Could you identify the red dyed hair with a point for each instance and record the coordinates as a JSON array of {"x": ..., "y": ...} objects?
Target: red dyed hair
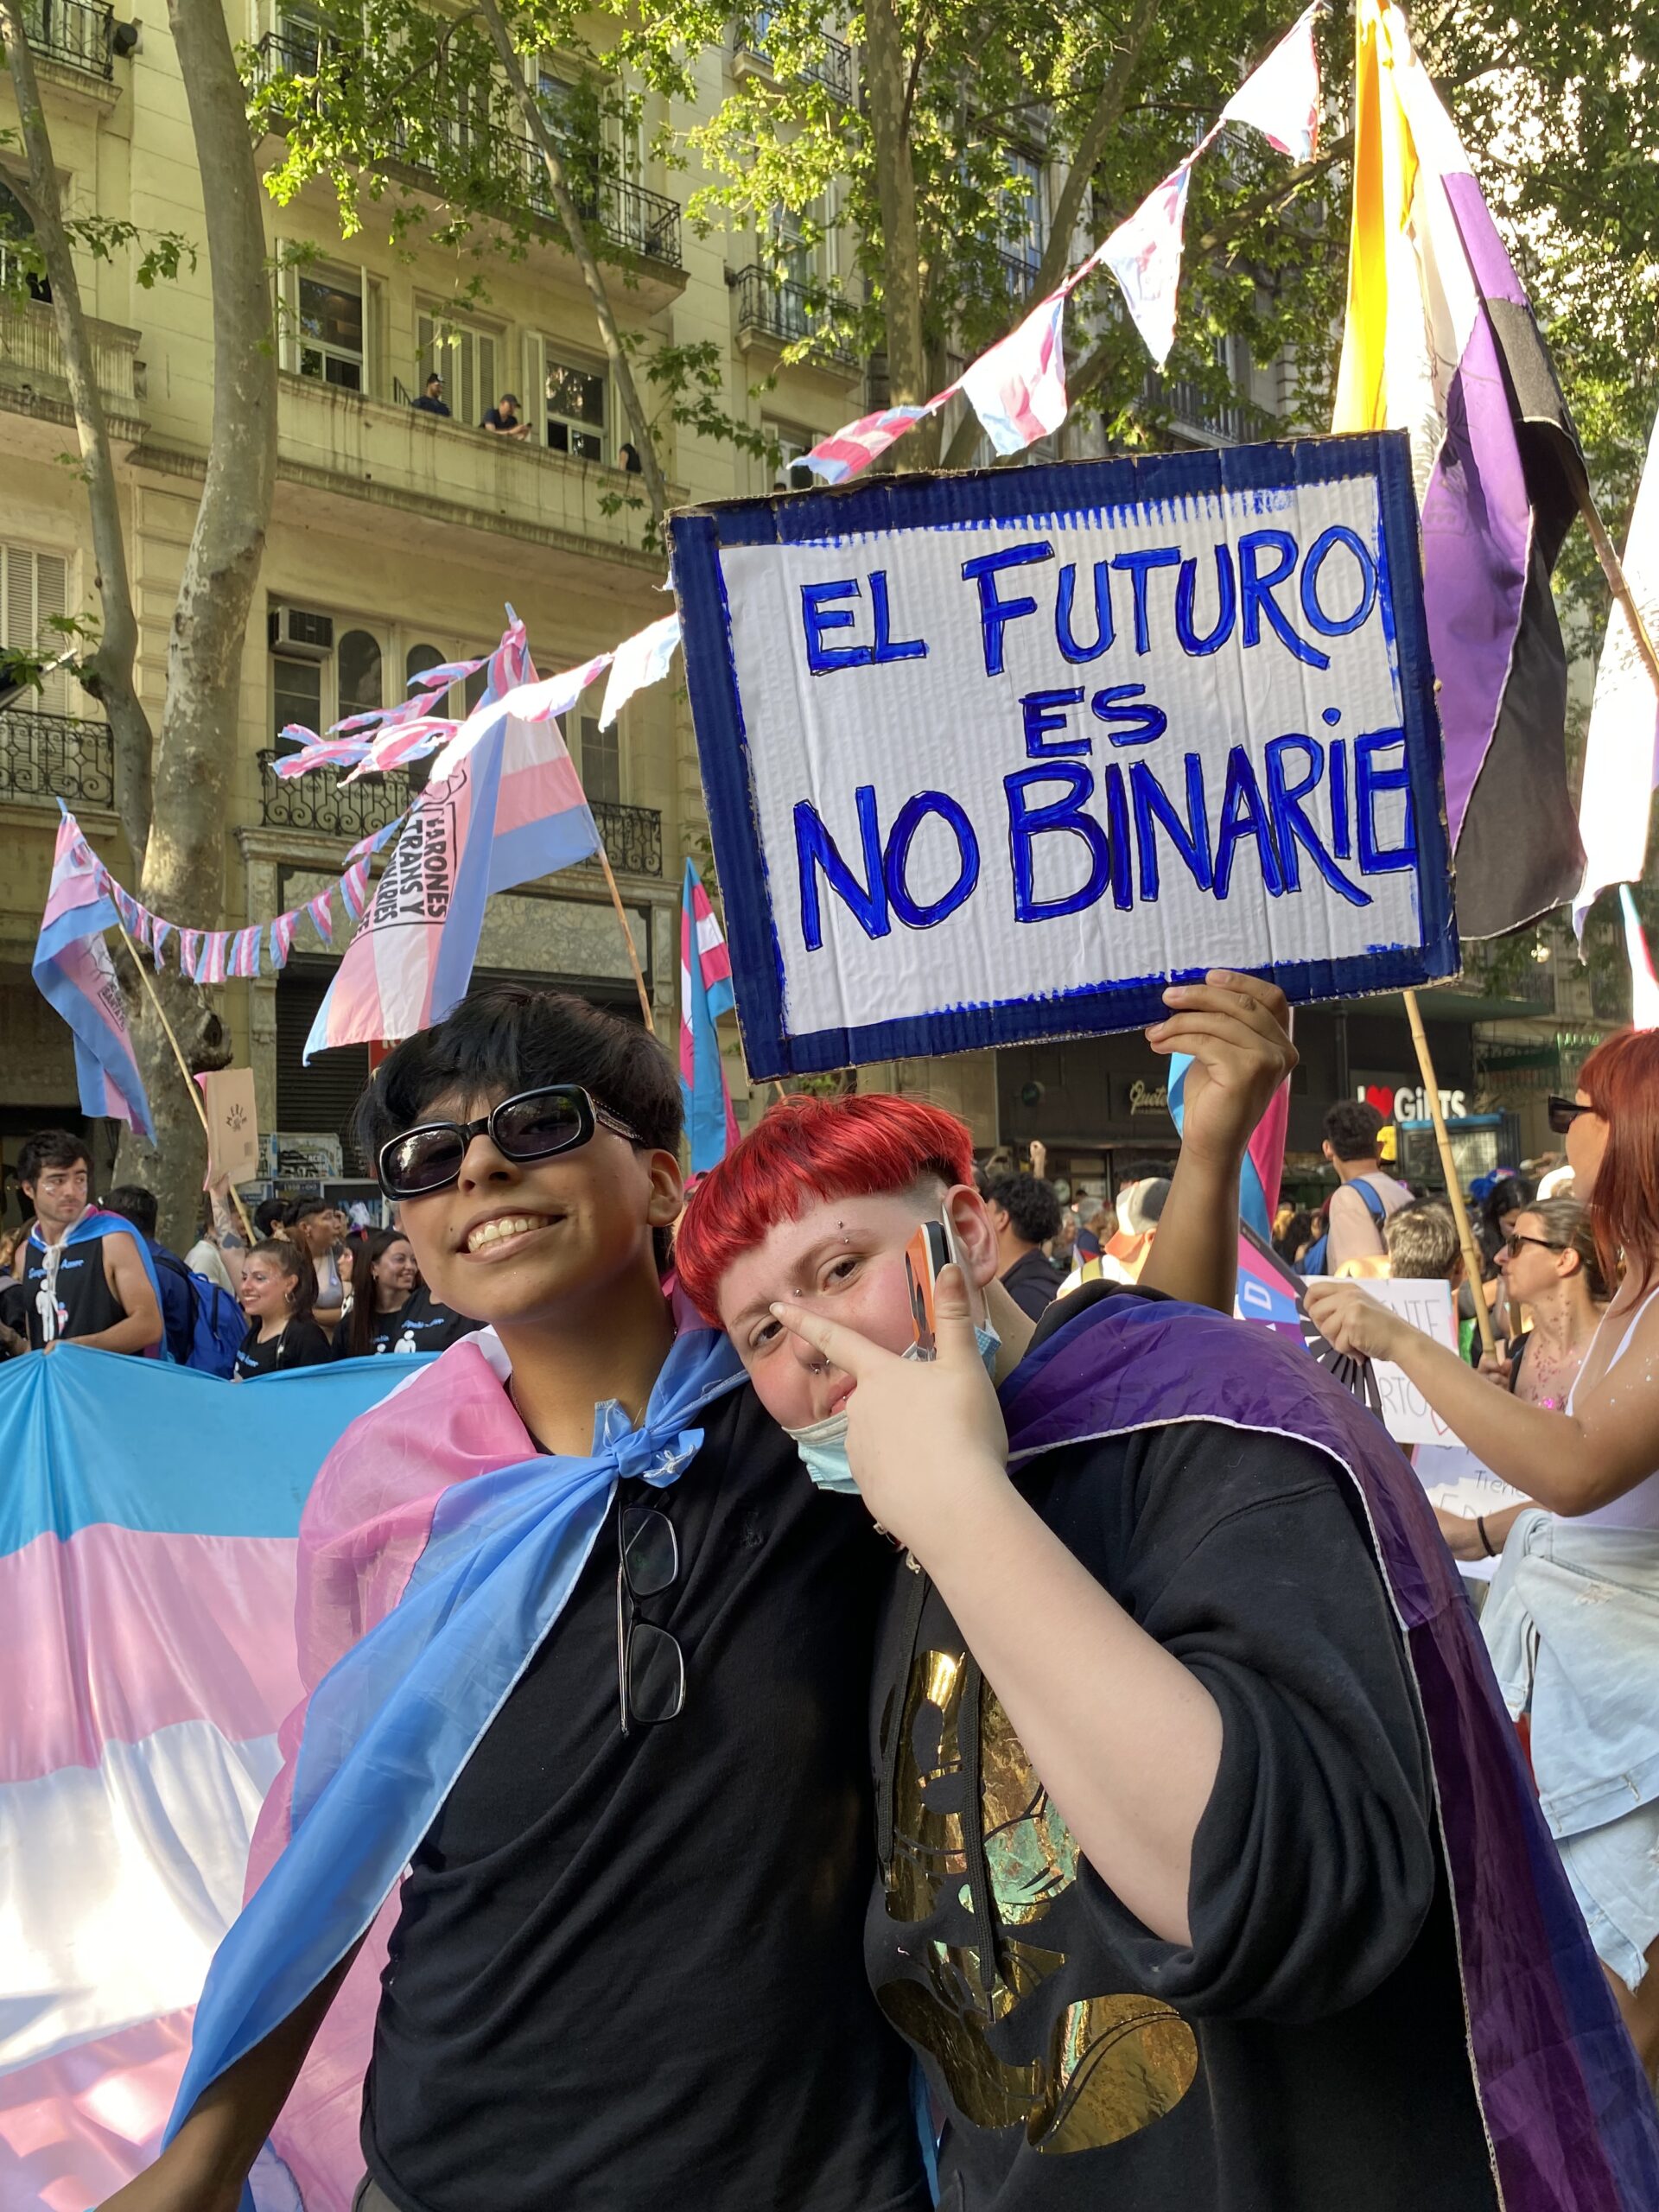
[
  {"x": 1621, "y": 1077},
  {"x": 807, "y": 1150}
]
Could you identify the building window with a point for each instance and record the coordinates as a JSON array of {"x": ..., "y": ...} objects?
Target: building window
[
  {"x": 15, "y": 228},
  {"x": 330, "y": 327},
  {"x": 360, "y": 687},
  {"x": 464, "y": 357},
  {"x": 34, "y": 589},
  {"x": 575, "y": 399},
  {"x": 600, "y": 761},
  {"x": 790, "y": 474},
  {"x": 296, "y": 694}
]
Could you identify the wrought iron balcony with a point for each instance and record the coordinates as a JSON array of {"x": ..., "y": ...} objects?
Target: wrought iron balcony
[
  {"x": 828, "y": 61},
  {"x": 56, "y": 756},
  {"x": 76, "y": 34},
  {"x": 324, "y": 807},
  {"x": 1018, "y": 273},
  {"x": 789, "y": 312},
  {"x": 478, "y": 147}
]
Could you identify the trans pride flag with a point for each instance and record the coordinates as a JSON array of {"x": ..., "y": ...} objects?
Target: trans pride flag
[
  {"x": 505, "y": 805},
  {"x": 73, "y": 969},
  {"x": 705, "y": 992},
  {"x": 147, "y": 1602}
]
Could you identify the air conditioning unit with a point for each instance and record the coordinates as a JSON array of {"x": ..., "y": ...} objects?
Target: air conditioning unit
[{"x": 301, "y": 634}]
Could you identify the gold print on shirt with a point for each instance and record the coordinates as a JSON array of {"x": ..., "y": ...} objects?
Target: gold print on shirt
[{"x": 1111, "y": 2065}]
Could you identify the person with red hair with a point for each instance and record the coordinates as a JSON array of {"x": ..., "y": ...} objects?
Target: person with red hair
[
  {"x": 1163, "y": 1722},
  {"x": 1573, "y": 1621}
]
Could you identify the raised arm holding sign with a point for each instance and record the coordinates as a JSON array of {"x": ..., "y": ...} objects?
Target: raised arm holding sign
[{"x": 991, "y": 757}]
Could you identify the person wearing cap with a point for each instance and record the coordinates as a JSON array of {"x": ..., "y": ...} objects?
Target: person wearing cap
[
  {"x": 431, "y": 400},
  {"x": 503, "y": 420}
]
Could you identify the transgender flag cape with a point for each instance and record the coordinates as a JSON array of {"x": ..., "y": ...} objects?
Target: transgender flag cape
[{"x": 148, "y": 1523}]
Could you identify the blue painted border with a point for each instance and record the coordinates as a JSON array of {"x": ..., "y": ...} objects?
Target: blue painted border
[{"x": 698, "y": 536}]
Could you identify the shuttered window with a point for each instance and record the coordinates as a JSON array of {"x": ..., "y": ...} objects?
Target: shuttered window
[{"x": 35, "y": 588}]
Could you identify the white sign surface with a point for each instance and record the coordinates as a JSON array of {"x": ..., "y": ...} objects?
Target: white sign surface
[
  {"x": 992, "y": 758},
  {"x": 1406, "y": 1413}
]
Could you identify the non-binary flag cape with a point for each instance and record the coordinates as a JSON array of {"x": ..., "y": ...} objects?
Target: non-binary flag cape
[
  {"x": 148, "y": 1534},
  {"x": 74, "y": 971},
  {"x": 705, "y": 992},
  {"x": 439, "y": 1530},
  {"x": 1440, "y": 342}
]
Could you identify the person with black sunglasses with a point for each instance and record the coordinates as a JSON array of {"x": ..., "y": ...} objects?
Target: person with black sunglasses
[{"x": 634, "y": 1816}]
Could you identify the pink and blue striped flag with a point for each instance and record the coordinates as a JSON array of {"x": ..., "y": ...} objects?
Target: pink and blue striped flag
[
  {"x": 857, "y": 444},
  {"x": 1018, "y": 388},
  {"x": 705, "y": 993},
  {"x": 505, "y": 805},
  {"x": 322, "y": 919},
  {"x": 243, "y": 958},
  {"x": 282, "y": 937},
  {"x": 73, "y": 969},
  {"x": 212, "y": 962}
]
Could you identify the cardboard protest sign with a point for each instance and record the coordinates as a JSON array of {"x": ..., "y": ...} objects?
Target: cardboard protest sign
[
  {"x": 1459, "y": 1483},
  {"x": 232, "y": 1126},
  {"x": 1407, "y": 1415},
  {"x": 992, "y": 757}
]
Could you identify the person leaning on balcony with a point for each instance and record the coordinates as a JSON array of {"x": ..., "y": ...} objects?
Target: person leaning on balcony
[
  {"x": 503, "y": 420},
  {"x": 431, "y": 400}
]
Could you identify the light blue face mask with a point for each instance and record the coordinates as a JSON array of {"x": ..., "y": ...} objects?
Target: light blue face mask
[{"x": 822, "y": 1446}]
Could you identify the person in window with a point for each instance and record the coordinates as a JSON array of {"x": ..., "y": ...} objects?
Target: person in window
[
  {"x": 503, "y": 420},
  {"x": 277, "y": 1287},
  {"x": 431, "y": 400},
  {"x": 628, "y": 459}
]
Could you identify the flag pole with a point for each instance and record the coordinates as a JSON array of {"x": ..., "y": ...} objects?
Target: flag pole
[
  {"x": 190, "y": 1083},
  {"x": 627, "y": 938},
  {"x": 1449, "y": 1167},
  {"x": 1613, "y": 568}
]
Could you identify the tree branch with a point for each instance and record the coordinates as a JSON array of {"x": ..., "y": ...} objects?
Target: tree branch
[
  {"x": 576, "y": 233},
  {"x": 1107, "y": 114},
  {"x": 108, "y": 674}
]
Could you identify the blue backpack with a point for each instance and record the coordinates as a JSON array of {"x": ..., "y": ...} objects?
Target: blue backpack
[
  {"x": 211, "y": 1329},
  {"x": 1314, "y": 1261}
]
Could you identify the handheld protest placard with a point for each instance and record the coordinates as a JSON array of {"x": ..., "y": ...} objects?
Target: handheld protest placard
[{"x": 991, "y": 757}]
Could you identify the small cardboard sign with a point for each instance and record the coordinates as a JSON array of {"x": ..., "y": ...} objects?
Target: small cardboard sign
[
  {"x": 1407, "y": 1415},
  {"x": 992, "y": 758}
]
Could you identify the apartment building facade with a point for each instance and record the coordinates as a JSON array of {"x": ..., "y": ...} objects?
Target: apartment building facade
[{"x": 396, "y": 538}]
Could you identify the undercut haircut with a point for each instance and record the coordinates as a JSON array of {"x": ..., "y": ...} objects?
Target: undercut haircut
[
  {"x": 807, "y": 1151},
  {"x": 507, "y": 1038}
]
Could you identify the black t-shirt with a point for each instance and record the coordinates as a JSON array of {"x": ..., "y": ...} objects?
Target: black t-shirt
[
  {"x": 1032, "y": 1283},
  {"x": 1306, "y": 2054},
  {"x": 495, "y": 420},
  {"x": 86, "y": 1305},
  {"x": 420, "y": 1324},
  {"x": 299, "y": 1343},
  {"x": 627, "y": 1972}
]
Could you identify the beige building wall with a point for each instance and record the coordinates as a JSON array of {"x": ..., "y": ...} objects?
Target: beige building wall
[{"x": 390, "y": 523}]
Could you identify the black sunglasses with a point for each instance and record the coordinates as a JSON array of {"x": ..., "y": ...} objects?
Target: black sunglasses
[
  {"x": 1515, "y": 1240},
  {"x": 534, "y": 1125},
  {"x": 1563, "y": 1112},
  {"x": 650, "y": 1664}
]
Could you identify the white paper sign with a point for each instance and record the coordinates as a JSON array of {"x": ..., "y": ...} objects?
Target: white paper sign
[
  {"x": 1459, "y": 1483},
  {"x": 991, "y": 757},
  {"x": 1427, "y": 1305}
]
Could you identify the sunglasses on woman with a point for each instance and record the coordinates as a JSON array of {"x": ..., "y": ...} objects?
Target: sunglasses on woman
[
  {"x": 533, "y": 1125},
  {"x": 1515, "y": 1240},
  {"x": 1563, "y": 1112}
]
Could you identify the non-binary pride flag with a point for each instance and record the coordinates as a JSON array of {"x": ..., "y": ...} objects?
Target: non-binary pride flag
[
  {"x": 705, "y": 993},
  {"x": 505, "y": 805},
  {"x": 73, "y": 969},
  {"x": 1440, "y": 342}
]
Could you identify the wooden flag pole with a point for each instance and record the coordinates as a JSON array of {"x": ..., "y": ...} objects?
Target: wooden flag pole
[
  {"x": 190, "y": 1082},
  {"x": 1613, "y": 568},
  {"x": 1449, "y": 1167},
  {"x": 627, "y": 938}
]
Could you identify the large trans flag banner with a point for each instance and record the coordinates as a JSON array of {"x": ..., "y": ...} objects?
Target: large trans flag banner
[{"x": 148, "y": 1528}]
